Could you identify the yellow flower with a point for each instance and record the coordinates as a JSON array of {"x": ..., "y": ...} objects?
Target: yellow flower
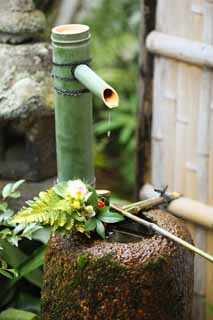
[
  {"x": 78, "y": 194},
  {"x": 76, "y": 204}
]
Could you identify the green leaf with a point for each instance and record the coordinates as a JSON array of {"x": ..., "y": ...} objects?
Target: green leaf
[
  {"x": 100, "y": 229},
  {"x": 15, "y": 257},
  {"x": 14, "y": 240},
  {"x": 42, "y": 235},
  {"x": 30, "y": 229},
  {"x": 90, "y": 225},
  {"x": 10, "y": 189},
  {"x": 17, "y": 184},
  {"x": 28, "y": 302},
  {"x": 7, "y": 190},
  {"x": 110, "y": 217},
  {"x": 6, "y": 273},
  {"x": 93, "y": 200},
  {"x": 20, "y": 227},
  {"x": 4, "y": 217},
  {"x": 5, "y": 233},
  {"x": 88, "y": 195},
  {"x": 3, "y": 206},
  {"x": 33, "y": 262},
  {"x": 15, "y": 314},
  {"x": 3, "y": 264},
  {"x": 60, "y": 189},
  {"x": 104, "y": 209},
  {"x": 15, "y": 194}
]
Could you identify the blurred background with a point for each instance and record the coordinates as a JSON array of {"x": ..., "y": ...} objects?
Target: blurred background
[
  {"x": 115, "y": 48},
  {"x": 161, "y": 133}
]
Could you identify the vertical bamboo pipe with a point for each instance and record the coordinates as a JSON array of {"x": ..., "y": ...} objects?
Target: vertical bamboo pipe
[
  {"x": 73, "y": 104},
  {"x": 73, "y": 82}
]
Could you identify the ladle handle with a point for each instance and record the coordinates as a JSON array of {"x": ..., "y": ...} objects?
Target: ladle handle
[{"x": 163, "y": 232}]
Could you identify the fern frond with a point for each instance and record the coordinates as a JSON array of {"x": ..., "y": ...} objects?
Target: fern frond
[
  {"x": 40, "y": 210},
  {"x": 49, "y": 209}
]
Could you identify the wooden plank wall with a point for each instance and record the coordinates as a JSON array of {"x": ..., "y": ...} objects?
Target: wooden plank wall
[{"x": 182, "y": 131}]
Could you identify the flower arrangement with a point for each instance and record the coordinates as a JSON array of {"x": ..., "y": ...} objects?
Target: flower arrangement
[{"x": 72, "y": 205}]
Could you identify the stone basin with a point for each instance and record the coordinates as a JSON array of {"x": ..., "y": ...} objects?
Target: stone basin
[{"x": 151, "y": 279}]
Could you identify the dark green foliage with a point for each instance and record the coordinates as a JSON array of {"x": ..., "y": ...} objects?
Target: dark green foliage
[
  {"x": 115, "y": 48},
  {"x": 10, "y": 232},
  {"x": 16, "y": 267}
]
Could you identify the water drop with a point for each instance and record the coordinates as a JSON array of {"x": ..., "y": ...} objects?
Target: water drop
[{"x": 109, "y": 123}]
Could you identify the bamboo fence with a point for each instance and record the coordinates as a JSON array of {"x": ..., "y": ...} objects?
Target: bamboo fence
[{"x": 182, "y": 128}]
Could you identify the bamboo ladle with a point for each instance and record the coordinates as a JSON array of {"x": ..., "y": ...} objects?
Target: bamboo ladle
[{"x": 128, "y": 211}]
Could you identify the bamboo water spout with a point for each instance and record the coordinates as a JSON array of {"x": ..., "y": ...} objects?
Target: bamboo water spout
[
  {"x": 74, "y": 83},
  {"x": 96, "y": 85}
]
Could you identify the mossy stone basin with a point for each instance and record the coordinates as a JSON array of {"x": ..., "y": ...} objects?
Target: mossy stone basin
[{"x": 151, "y": 279}]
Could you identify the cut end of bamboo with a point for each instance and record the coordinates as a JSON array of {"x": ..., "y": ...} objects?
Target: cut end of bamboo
[
  {"x": 110, "y": 98},
  {"x": 70, "y": 29},
  {"x": 104, "y": 193}
]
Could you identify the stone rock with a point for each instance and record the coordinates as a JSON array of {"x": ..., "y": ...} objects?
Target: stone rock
[
  {"x": 20, "y": 21},
  {"x": 21, "y": 5},
  {"x": 27, "y": 128},
  {"x": 95, "y": 279},
  {"x": 26, "y": 83}
]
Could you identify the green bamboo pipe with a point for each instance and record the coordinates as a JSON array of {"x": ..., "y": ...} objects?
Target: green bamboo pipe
[
  {"x": 74, "y": 83},
  {"x": 97, "y": 85}
]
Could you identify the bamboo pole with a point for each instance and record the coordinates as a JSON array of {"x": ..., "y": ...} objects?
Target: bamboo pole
[
  {"x": 157, "y": 123},
  {"x": 182, "y": 207},
  {"x": 73, "y": 83},
  {"x": 151, "y": 203},
  {"x": 202, "y": 149},
  {"x": 180, "y": 48},
  {"x": 73, "y": 105},
  {"x": 165, "y": 233}
]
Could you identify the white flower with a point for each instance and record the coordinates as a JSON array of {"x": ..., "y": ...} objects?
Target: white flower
[
  {"x": 77, "y": 189},
  {"x": 90, "y": 211}
]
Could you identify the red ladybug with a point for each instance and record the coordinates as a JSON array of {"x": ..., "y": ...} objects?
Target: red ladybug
[{"x": 101, "y": 204}]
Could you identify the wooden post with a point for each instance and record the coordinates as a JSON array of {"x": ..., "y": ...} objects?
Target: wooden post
[{"x": 143, "y": 152}]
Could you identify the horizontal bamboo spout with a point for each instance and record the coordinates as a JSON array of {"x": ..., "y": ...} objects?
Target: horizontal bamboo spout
[{"x": 97, "y": 85}]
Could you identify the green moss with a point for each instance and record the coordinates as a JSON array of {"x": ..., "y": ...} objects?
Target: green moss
[
  {"x": 87, "y": 279},
  {"x": 155, "y": 264},
  {"x": 76, "y": 282},
  {"x": 82, "y": 260}
]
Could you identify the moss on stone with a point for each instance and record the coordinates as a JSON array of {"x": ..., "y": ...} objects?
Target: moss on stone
[{"x": 94, "y": 280}]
